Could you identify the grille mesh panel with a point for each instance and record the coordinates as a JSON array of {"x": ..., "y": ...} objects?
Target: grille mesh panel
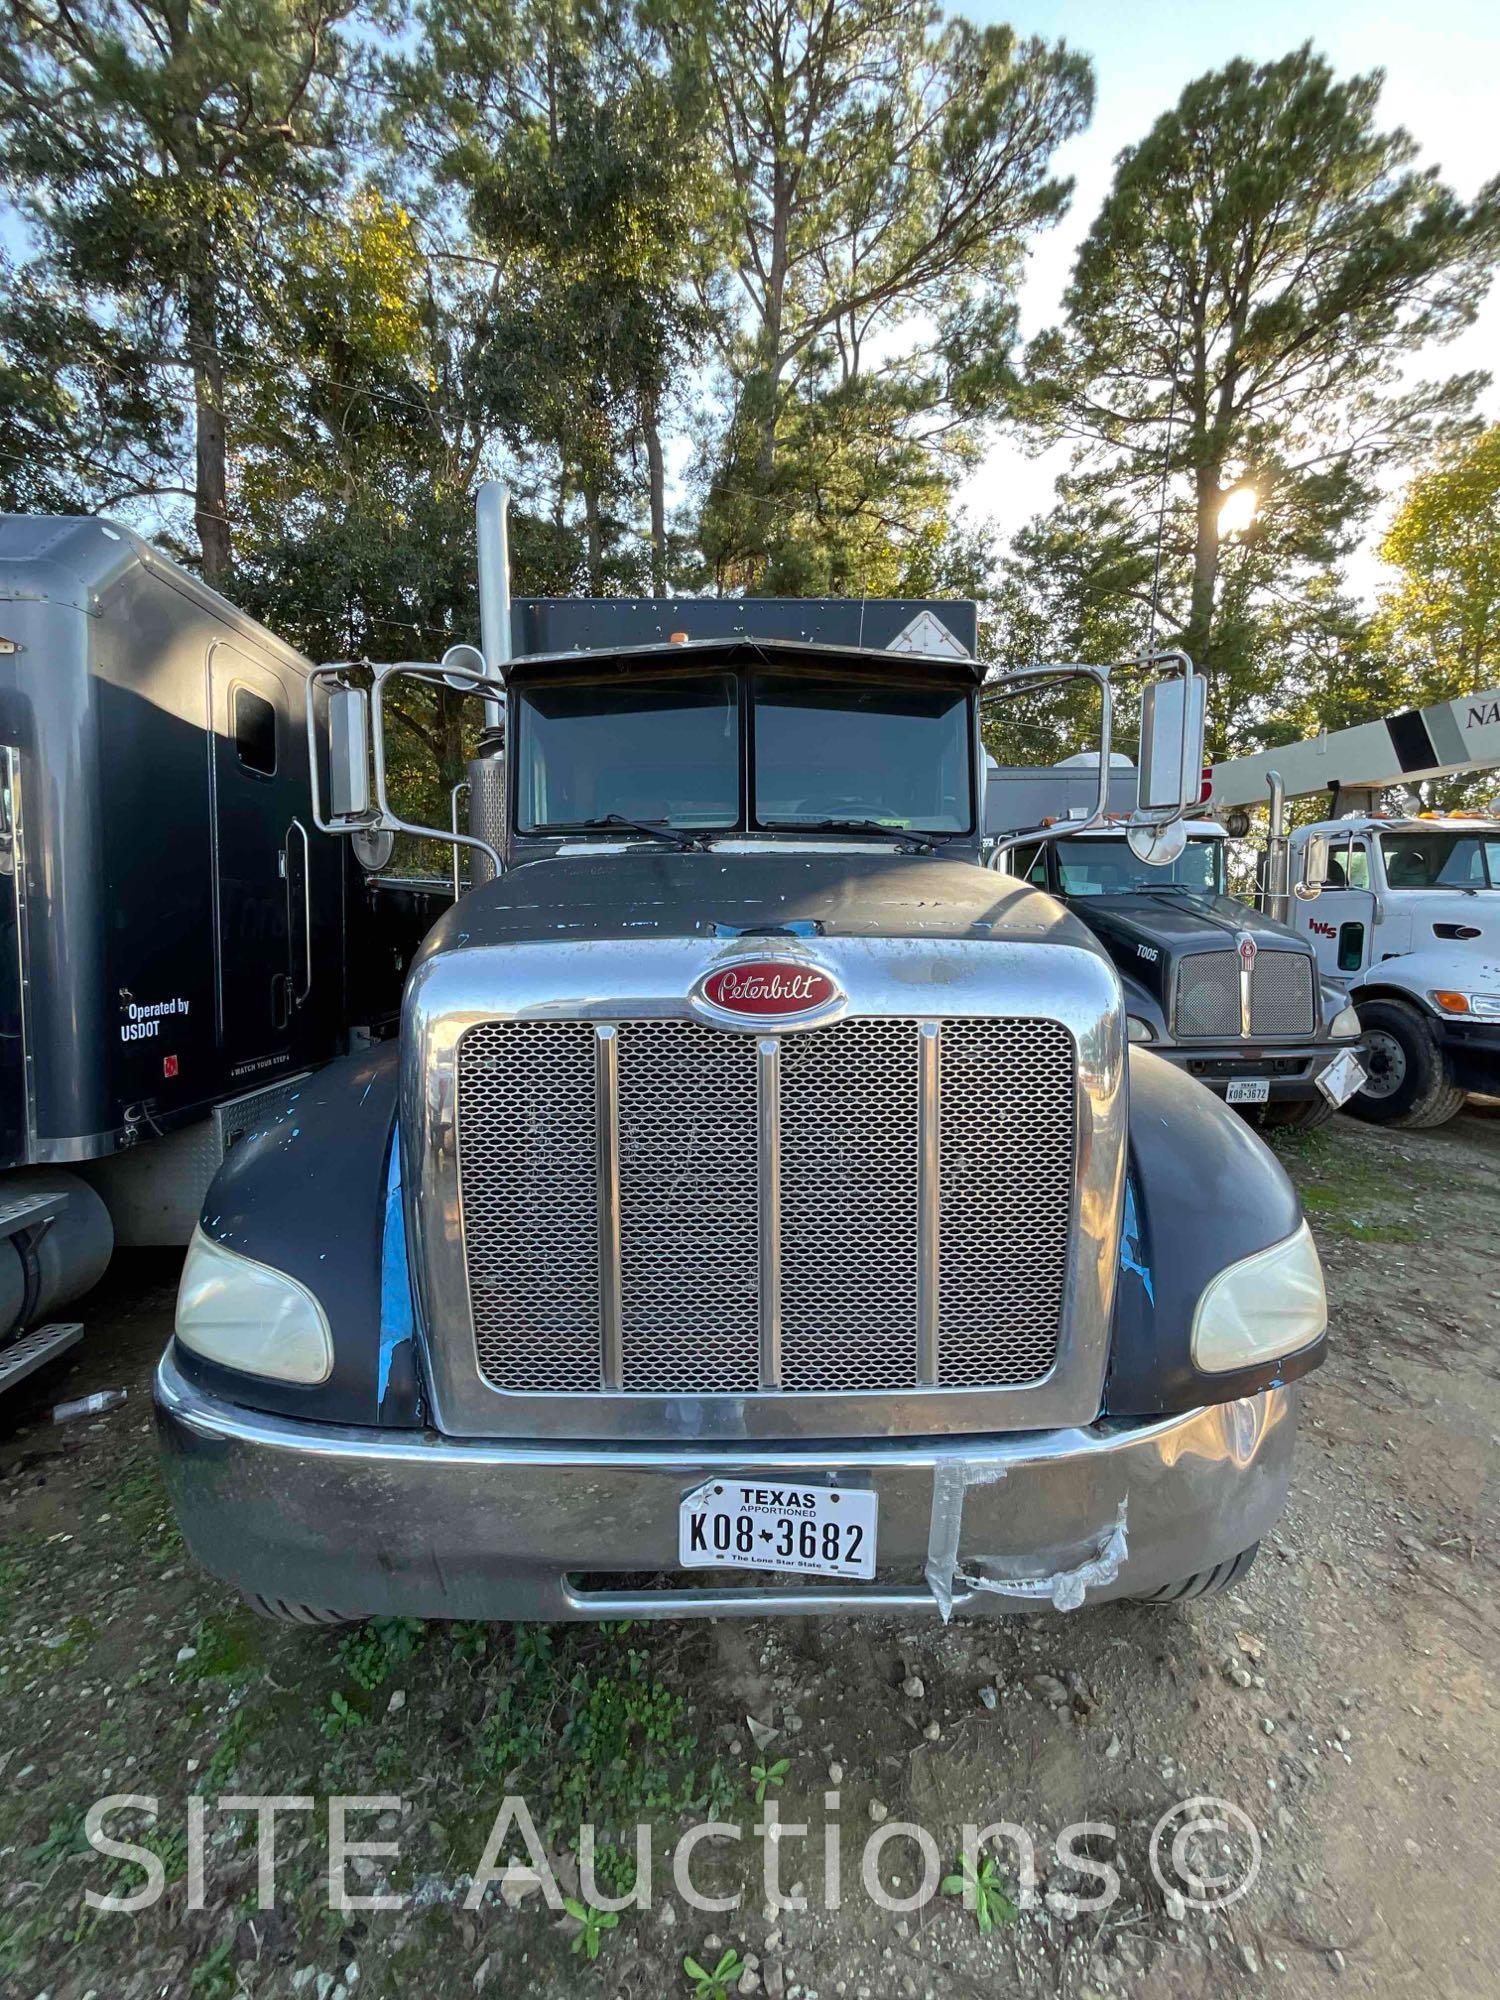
[
  {"x": 1007, "y": 1181},
  {"x": 527, "y": 1164},
  {"x": 689, "y": 1167},
  {"x": 849, "y": 1207},
  {"x": 1281, "y": 994},
  {"x": 1208, "y": 994},
  {"x": 689, "y": 1209}
]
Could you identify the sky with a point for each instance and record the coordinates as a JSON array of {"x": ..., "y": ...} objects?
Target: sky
[{"x": 1442, "y": 64}]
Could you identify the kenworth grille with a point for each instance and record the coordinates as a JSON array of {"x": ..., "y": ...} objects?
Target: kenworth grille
[{"x": 1210, "y": 996}]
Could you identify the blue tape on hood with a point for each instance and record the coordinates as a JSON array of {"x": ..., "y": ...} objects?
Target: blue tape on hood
[
  {"x": 1130, "y": 1242},
  {"x": 398, "y": 1325}
]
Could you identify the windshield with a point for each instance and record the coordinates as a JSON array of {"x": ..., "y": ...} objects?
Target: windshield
[
  {"x": 831, "y": 751},
  {"x": 1108, "y": 868},
  {"x": 666, "y": 749},
  {"x": 1441, "y": 860}
]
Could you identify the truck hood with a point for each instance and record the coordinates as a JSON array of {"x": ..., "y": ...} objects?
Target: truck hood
[
  {"x": 1199, "y": 923},
  {"x": 642, "y": 893}
]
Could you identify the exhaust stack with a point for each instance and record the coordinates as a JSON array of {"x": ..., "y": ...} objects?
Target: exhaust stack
[{"x": 492, "y": 521}]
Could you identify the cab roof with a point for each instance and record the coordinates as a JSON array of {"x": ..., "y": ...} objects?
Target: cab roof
[
  {"x": 1476, "y": 823},
  {"x": 740, "y": 652}
]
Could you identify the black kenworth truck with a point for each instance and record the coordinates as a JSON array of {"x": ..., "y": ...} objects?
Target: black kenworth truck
[
  {"x": 764, "y": 1209},
  {"x": 1219, "y": 989}
]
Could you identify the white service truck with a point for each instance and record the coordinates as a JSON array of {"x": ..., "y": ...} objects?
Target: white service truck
[{"x": 1409, "y": 922}]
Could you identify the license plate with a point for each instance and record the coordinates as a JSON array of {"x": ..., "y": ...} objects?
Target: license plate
[
  {"x": 1249, "y": 1090},
  {"x": 1343, "y": 1076},
  {"x": 764, "y": 1524}
]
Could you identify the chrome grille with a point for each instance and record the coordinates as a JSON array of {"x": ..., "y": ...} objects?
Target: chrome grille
[
  {"x": 1208, "y": 994},
  {"x": 1281, "y": 994},
  {"x": 689, "y": 1209},
  {"x": 1007, "y": 1174},
  {"x": 528, "y": 1172},
  {"x": 849, "y": 1207},
  {"x": 825, "y": 1249}
]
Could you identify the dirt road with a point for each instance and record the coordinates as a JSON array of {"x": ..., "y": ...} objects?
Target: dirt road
[{"x": 1343, "y": 1699}]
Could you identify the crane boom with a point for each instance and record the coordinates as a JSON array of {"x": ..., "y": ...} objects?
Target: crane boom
[{"x": 1442, "y": 741}]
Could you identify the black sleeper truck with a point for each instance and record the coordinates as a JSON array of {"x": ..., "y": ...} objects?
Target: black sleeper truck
[{"x": 764, "y": 1210}]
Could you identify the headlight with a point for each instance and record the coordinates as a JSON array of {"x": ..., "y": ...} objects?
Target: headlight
[
  {"x": 1345, "y": 1022},
  {"x": 1264, "y": 1306},
  {"x": 1139, "y": 1030},
  {"x": 1486, "y": 1006},
  {"x": 244, "y": 1315}
]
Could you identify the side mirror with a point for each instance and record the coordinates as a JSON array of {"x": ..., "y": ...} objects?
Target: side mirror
[
  {"x": 349, "y": 753},
  {"x": 1314, "y": 867},
  {"x": 1171, "y": 755}
]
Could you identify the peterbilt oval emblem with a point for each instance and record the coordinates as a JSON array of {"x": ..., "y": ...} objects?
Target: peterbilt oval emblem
[{"x": 769, "y": 989}]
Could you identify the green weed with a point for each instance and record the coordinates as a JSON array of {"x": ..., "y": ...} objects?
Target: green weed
[
  {"x": 595, "y": 1923},
  {"x": 984, "y": 1892},
  {"x": 713, "y": 1985}
]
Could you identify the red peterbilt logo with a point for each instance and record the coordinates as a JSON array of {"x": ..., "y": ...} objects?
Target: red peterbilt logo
[{"x": 768, "y": 986}]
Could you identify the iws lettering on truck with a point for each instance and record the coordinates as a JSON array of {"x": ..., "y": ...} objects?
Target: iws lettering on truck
[
  {"x": 143, "y": 1020},
  {"x": 1323, "y": 930}
]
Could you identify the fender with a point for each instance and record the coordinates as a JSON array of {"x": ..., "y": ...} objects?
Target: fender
[
  {"x": 317, "y": 1194},
  {"x": 1202, "y": 1191}
]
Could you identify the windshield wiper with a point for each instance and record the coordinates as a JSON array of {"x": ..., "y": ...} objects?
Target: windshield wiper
[
  {"x": 912, "y": 843},
  {"x": 658, "y": 829}
]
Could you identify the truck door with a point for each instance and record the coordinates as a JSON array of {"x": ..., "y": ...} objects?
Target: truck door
[
  {"x": 276, "y": 981},
  {"x": 1341, "y": 922}
]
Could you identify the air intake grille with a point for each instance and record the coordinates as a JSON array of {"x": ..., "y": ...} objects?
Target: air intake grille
[
  {"x": 1208, "y": 995},
  {"x": 1007, "y": 1173},
  {"x": 689, "y": 1207},
  {"x": 528, "y": 1166},
  {"x": 849, "y": 1207},
  {"x": 704, "y": 1170},
  {"x": 1281, "y": 994}
]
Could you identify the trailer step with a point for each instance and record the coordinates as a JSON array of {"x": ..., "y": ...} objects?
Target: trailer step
[
  {"x": 33, "y": 1350},
  {"x": 29, "y": 1211}
]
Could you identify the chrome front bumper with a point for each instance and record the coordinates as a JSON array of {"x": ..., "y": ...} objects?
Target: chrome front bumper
[{"x": 351, "y": 1522}]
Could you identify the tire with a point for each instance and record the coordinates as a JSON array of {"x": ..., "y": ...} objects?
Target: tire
[
  {"x": 1296, "y": 1114},
  {"x": 277, "y": 1611},
  {"x": 1203, "y": 1582},
  {"x": 1410, "y": 1084}
]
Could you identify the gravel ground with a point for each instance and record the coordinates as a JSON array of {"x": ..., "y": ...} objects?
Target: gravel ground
[{"x": 1343, "y": 1699}]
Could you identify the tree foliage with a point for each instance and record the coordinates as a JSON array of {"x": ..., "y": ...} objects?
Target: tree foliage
[
  {"x": 881, "y": 169},
  {"x": 1439, "y": 625},
  {"x": 157, "y": 146},
  {"x": 1242, "y": 312}
]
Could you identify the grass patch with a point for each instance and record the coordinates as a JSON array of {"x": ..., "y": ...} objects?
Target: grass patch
[
  {"x": 1347, "y": 1190},
  {"x": 583, "y": 1728}
]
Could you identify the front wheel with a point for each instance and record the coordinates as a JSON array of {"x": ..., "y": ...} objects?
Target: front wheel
[
  {"x": 1407, "y": 1079},
  {"x": 1203, "y": 1582},
  {"x": 1296, "y": 1114}
]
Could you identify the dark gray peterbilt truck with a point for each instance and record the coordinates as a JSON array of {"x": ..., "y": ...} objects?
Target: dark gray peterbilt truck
[{"x": 763, "y": 1210}]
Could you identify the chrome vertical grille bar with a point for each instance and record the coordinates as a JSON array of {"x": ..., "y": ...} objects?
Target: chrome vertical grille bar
[
  {"x": 770, "y": 1212},
  {"x": 607, "y": 1114},
  {"x": 929, "y": 1195}
]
